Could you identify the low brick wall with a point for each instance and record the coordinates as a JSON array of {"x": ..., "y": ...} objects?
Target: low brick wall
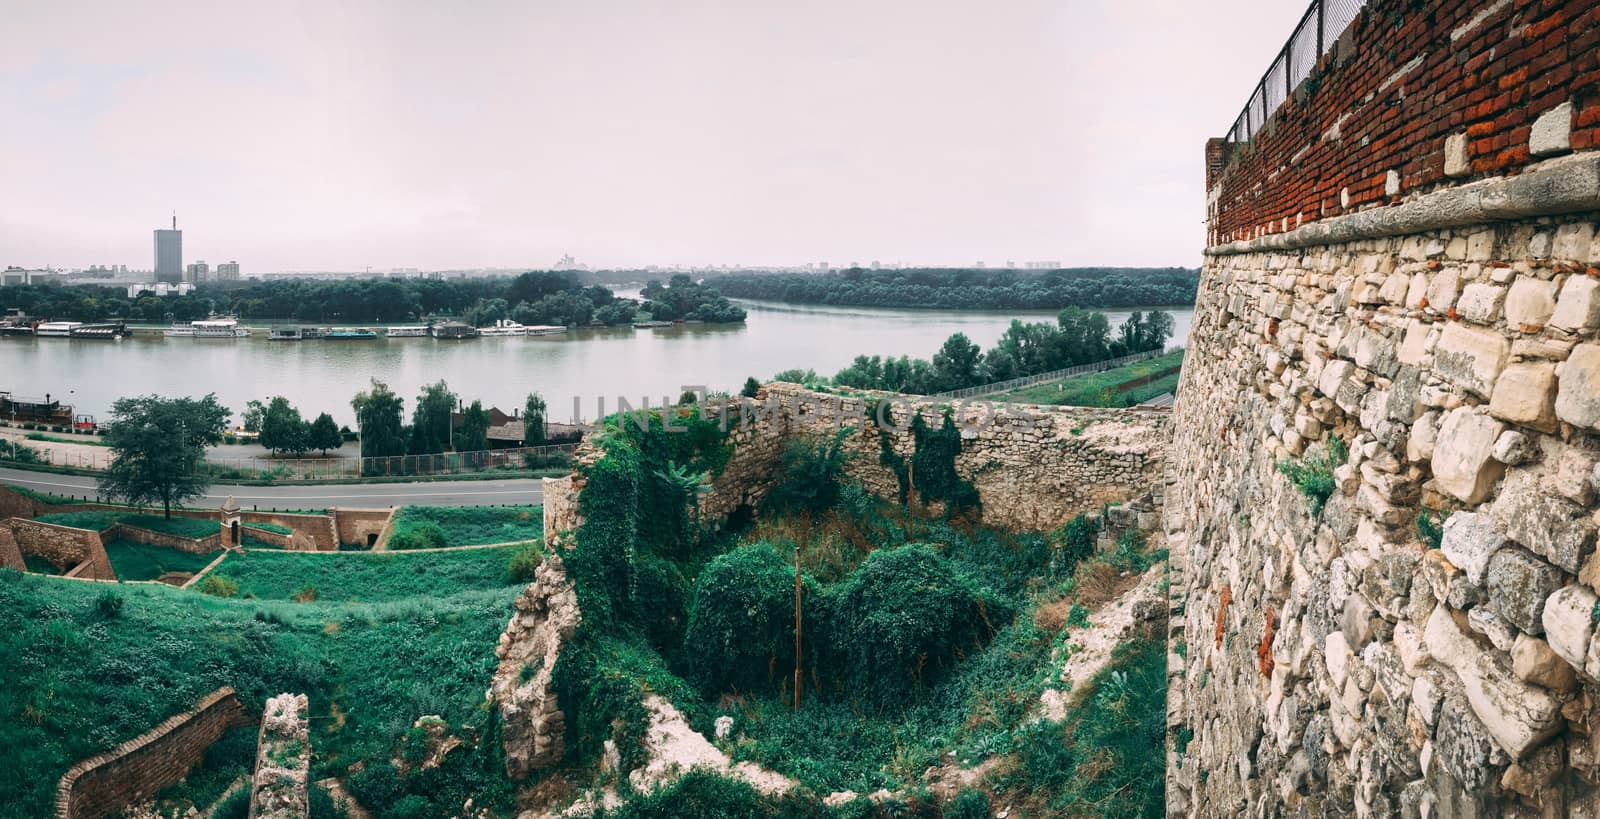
[
  {"x": 10, "y": 555},
  {"x": 63, "y": 546},
  {"x": 14, "y": 504},
  {"x": 268, "y": 536},
  {"x": 357, "y": 525},
  {"x": 312, "y": 533},
  {"x": 200, "y": 546},
  {"x": 105, "y": 784}
]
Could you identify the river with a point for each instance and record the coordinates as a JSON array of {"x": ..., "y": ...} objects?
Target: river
[{"x": 321, "y": 376}]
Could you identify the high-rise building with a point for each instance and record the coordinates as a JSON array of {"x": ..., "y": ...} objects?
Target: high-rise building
[
  {"x": 169, "y": 253},
  {"x": 197, "y": 272},
  {"x": 227, "y": 271}
]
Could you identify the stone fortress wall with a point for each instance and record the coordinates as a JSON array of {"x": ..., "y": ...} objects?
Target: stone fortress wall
[{"x": 1440, "y": 321}]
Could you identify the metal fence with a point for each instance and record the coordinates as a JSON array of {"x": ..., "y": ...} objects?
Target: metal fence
[
  {"x": 318, "y": 469},
  {"x": 1041, "y": 378},
  {"x": 1319, "y": 27}
]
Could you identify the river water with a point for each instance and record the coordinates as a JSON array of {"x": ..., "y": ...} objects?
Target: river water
[{"x": 322, "y": 376}]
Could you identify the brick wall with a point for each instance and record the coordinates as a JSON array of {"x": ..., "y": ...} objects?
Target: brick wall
[
  {"x": 105, "y": 784},
  {"x": 14, "y": 504},
  {"x": 10, "y": 555},
  {"x": 355, "y": 525},
  {"x": 63, "y": 546},
  {"x": 204, "y": 545},
  {"x": 1415, "y": 96}
]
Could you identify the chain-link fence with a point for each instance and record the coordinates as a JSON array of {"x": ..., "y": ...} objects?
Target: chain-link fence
[{"x": 1319, "y": 27}]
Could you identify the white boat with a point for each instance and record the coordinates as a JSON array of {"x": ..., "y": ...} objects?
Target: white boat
[
  {"x": 412, "y": 331},
  {"x": 209, "y": 328},
  {"x": 546, "y": 329},
  {"x": 504, "y": 327},
  {"x": 58, "y": 329}
]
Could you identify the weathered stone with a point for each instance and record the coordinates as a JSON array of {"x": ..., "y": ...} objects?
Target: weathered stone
[
  {"x": 1571, "y": 479},
  {"x": 1532, "y": 660},
  {"x": 1513, "y": 448},
  {"x": 1568, "y": 620},
  {"x": 1578, "y": 309},
  {"x": 1578, "y": 396},
  {"x": 1525, "y": 394},
  {"x": 1519, "y": 716},
  {"x": 1485, "y": 621},
  {"x": 1519, "y": 583},
  {"x": 1463, "y": 462},
  {"x": 1333, "y": 377},
  {"x": 1530, "y": 302},
  {"x": 1465, "y": 747},
  {"x": 1548, "y": 525},
  {"x": 1471, "y": 358},
  {"x": 1552, "y": 132},
  {"x": 1470, "y": 539},
  {"x": 1481, "y": 303}
]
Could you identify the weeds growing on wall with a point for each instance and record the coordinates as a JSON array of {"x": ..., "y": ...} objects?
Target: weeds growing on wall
[
  {"x": 1313, "y": 474},
  {"x": 1430, "y": 528},
  {"x": 931, "y": 471}
]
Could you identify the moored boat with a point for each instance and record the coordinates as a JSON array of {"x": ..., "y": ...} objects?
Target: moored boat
[
  {"x": 350, "y": 334},
  {"x": 409, "y": 331},
  {"x": 504, "y": 327}
]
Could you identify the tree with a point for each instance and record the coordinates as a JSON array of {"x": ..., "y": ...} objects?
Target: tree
[
  {"x": 380, "y": 419},
  {"x": 430, "y": 420},
  {"x": 253, "y": 412},
  {"x": 325, "y": 434},
  {"x": 956, "y": 363},
  {"x": 282, "y": 428},
  {"x": 159, "y": 445},
  {"x": 473, "y": 433},
  {"x": 751, "y": 387},
  {"x": 533, "y": 421}
]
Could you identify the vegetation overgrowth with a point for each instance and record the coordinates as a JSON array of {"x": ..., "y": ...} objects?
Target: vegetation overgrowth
[
  {"x": 431, "y": 527},
  {"x": 101, "y": 519},
  {"x": 971, "y": 289},
  {"x": 142, "y": 561},
  {"x": 370, "y": 577}
]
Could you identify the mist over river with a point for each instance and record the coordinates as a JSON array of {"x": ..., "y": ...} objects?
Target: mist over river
[{"x": 322, "y": 375}]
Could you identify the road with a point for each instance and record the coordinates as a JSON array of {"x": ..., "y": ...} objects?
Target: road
[{"x": 364, "y": 495}]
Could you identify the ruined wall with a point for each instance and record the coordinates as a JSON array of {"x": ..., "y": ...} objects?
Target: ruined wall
[
  {"x": 280, "y": 786},
  {"x": 533, "y": 724},
  {"x": 65, "y": 547},
  {"x": 10, "y": 555},
  {"x": 105, "y": 784},
  {"x": 1034, "y": 467}
]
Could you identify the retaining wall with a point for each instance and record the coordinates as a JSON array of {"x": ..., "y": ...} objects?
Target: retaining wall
[{"x": 77, "y": 551}]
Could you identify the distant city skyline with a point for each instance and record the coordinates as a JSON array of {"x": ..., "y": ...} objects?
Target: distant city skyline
[{"x": 407, "y": 135}]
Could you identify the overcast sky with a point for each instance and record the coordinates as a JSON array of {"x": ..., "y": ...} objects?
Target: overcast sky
[{"x": 338, "y": 135}]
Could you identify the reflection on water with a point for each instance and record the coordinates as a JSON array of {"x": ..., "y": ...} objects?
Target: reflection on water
[{"x": 321, "y": 376}]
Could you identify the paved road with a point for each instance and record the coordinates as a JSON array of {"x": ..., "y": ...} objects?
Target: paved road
[{"x": 369, "y": 495}]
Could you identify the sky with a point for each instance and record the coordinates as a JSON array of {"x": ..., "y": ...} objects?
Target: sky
[{"x": 346, "y": 135}]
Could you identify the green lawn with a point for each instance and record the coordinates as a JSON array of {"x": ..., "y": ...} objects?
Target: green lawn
[
  {"x": 83, "y": 674},
  {"x": 270, "y": 527},
  {"x": 141, "y": 561},
  {"x": 1101, "y": 389},
  {"x": 96, "y": 520},
  {"x": 366, "y": 576},
  {"x": 99, "y": 520},
  {"x": 417, "y": 527}
]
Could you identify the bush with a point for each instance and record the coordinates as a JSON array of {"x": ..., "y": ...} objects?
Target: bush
[
  {"x": 898, "y": 621},
  {"x": 808, "y": 475},
  {"x": 108, "y": 604},
  {"x": 236, "y": 805},
  {"x": 218, "y": 586},
  {"x": 1430, "y": 528},
  {"x": 1074, "y": 542},
  {"x": 741, "y": 626},
  {"x": 377, "y": 787},
  {"x": 1313, "y": 474},
  {"x": 423, "y": 535},
  {"x": 524, "y": 563}
]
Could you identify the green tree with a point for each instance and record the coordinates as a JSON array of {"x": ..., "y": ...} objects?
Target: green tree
[
  {"x": 473, "y": 433},
  {"x": 325, "y": 434},
  {"x": 533, "y": 421},
  {"x": 159, "y": 445},
  {"x": 751, "y": 387},
  {"x": 956, "y": 364},
  {"x": 380, "y": 419},
  {"x": 282, "y": 428},
  {"x": 254, "y": 411},
  {"x": 430, "y": 419}
]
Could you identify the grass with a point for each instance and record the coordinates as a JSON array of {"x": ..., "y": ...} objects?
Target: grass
[
  {"x": 229, "y": 758},
  {"x": 100, "y": 519},
  {"x": 141, "y": 561},
  {"x": 270, "y": 527},
  {"x": 56, "y": 439},
  {"x": 80, "y": 681},
  {"x": 39, "y": 565},
  {"x": 1102, "y": 389},
  {"x": 1312, "y": 475},
  {"x": 468, "y": 525},
  {"x": 366, "y": 576}
]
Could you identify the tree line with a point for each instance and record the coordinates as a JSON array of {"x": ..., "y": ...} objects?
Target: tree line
[
  {"x": 538, "y": 297},
  {"x": 971, "y": 289},
  {"x": 1076, "y": 337}
]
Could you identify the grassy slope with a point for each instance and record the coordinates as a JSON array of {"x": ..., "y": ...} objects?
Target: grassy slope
[
  {"x": 475, "y": 525},
  {"x": 1091, "y": 390},
  {"x": 99, "y": 520},
  {"x": 370, "y": 577},
  {"x": 140, "y": 561},
  {"x": 79, "y": 681}
]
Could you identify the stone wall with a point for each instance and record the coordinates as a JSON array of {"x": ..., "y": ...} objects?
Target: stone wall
[
  {"x": 280, "y": 787},
  {"x": 1339, "y": 662},
  {"x": 1034, "y": 467},
  {"x": 533, "y": 724},
  {"x": 200, "y": 546},
  {"x": 357, "y": 525},
  {"x": 105, "y": 784},
  {"x": 66, "y": 548},
  {"x": 10, "y": 555}
]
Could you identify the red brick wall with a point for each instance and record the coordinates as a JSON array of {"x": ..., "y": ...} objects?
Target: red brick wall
[
  {"x": 200, "y": 546},
  {"x": 63, "y": 546},
  {"x": 136, "y": 770},
  {"x": 1409, "y": 74}
]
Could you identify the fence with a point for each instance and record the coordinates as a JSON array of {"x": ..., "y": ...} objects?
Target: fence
[
  {"x": 1319, "y": 27},
  {"x": 316, "y": 469},
  {"x": 1053, "y": 375}
]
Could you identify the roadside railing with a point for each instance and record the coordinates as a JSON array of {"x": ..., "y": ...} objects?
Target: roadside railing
[
  {"x": 334, "y": 468},
  {"x": 1053, "y": 375},
  {"x": 1318, "y": 29}
]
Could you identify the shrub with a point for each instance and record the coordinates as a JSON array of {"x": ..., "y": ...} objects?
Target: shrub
[
  {"x": 524, "y": 563},
  {"x": 108, "y": 604},
  {"x": 323, "y": 806},
  {"x": 423, "y": 535},
  {"x": 1313, "y": 474},
  {"x": 969, "y": 804},
  {"x": 1074, "y": 541},
  {"x": 741, "y": 626},
  {"x": 307, "y": 594},
  {"x": 1430, "y": 528},
  {"x": 900, "y": 619},
  {"x": 236, "y": 805},
  {"x": 808, "y": 475},
  {"x": 218, "y": 586},
  {"x": 377, "y": 787}
]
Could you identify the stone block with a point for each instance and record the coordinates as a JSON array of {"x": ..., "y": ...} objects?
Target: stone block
[
  {"x": 1525, "y": 394},
  {"x": 1472, "y": 358},
  {"x": 1552, "y": 132},
  {"x": 1513, "y": 448},
  {"x": 1532, "y": 660},
  {"x": 1546, "y": 524},
  {"x": 1456, "y": 161},
  {"x": 1333, "y": 376},
  {"x": 1519, "y": 716},
  {"x": 1578, "y": 308},
  {"x": 1578, "y": 392},
  {"x": 1530, "y": 302},
  {"x": 1463, "y": 458},
  {"x": 1481, "y": 303},
  {"x": 1470, "y": 539},
  {"x": 1519, "y": 583}
]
